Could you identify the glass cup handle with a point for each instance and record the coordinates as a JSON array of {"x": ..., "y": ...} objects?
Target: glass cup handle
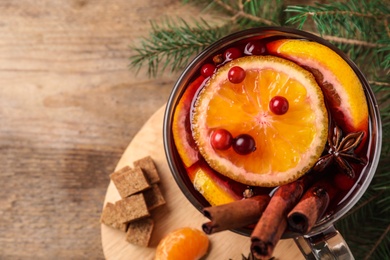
[{"x": 327, "y": 245}]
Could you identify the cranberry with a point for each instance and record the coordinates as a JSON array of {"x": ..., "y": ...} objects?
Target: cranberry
[
  {"x": 278, "y": 105},
  {"x": 244, "y": 144},
  {"x": 207, "y": 70},
  {"x": 232, "y": 54},
  {"x": 236, "y": 74},
  {"x": 221, "y": 139},
  {"x": 255, "y": 48}
]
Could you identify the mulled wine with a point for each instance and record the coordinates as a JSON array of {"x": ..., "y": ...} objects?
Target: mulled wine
[{"x": 268, "y": 107}]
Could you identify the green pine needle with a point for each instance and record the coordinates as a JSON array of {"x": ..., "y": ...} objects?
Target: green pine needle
[
  {"x": 350, "y": 18},
  {"x": 174, "y": 43}
]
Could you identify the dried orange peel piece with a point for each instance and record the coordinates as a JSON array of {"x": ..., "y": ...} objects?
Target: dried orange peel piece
[{"x": 287, "y": 145}]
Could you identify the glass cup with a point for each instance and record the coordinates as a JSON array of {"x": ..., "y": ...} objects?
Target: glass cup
[{"x": 323, "y": 241}]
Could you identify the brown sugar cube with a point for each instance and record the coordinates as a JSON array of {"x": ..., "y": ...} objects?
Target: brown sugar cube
[
  {"x": 111, "y": 217},
  {"x": 140, "y": 231},
  {"x": 154, "y": 197},
  {"x": 132, "y": 208},
  {"x": 149, "y": 168},
  {"x": 129, "y": 181},
  {"x": 121, "y": 170}
]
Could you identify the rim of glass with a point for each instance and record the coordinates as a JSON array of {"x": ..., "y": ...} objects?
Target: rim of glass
[{"x": 175, "y": 164}]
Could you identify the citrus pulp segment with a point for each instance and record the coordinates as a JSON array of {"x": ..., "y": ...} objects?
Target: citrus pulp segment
[
  {"x": 183, "y": 243},
  {"x": 287, "y": 145},
  {"x": 340, "y": 84}
]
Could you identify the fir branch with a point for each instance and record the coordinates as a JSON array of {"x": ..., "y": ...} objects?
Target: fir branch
[
  {"x": 315, "y": 12},
  {"x": 174, "y": 43},
  {"x": 357, "y": 20},
  {"x": 362, "y": 203},
  {"x": 364, "y": 226},
  {"x": 383, "y": 237}
]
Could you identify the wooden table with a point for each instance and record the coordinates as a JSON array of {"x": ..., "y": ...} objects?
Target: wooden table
[{"x": 69, "y": 106}]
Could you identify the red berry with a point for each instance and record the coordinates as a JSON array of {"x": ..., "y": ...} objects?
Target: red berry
[
  {"x": 221, "y": 139},
  {"x": 236, "y": 74},
  {"x": 244, "y": 144},
  {"x": 278, "y": 105},
  {"x": 207, "y": 70},
  {"x": 232, "y": 54},
  {"x": 343, "y": 181},
  {"x": 255, "y": 48}
]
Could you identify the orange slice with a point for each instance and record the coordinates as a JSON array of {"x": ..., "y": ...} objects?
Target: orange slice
[
  {"x": 340, "y": 84},
  {"x": 212, "y": 188},
  {"x": 184, "y": 243},
  {"x": 287, "y": 145},
  {"x": 181, "y": 123}
]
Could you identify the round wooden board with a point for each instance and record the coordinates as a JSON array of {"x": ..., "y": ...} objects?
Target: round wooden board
[{"x": 178, "y": 211}]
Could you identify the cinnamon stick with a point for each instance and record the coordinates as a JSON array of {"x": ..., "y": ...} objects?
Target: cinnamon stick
[
  {"x": 273, "y": 222},
  {"x": 236, "y": 214},
  {"x": 263, "y": 248},
  {"x": 310, "y": 208}
]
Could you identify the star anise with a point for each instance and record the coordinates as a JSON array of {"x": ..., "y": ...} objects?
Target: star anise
[{"x": 341, "y": 150}]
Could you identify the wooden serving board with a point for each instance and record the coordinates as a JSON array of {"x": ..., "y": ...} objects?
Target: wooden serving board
[{"x": 178, "y": 211}]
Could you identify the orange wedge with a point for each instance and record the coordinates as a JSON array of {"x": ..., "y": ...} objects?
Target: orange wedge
[
  {"x": 184, "y": 243},
  {"x": 340, "y": 84},
  {"x": 181, "y": 124},
  {"x": 212, "y": 188},
  {"x": 286, "y": 145}
]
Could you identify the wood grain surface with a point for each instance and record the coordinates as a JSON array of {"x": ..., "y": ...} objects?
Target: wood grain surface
[{"x": 69, "y": 107}]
